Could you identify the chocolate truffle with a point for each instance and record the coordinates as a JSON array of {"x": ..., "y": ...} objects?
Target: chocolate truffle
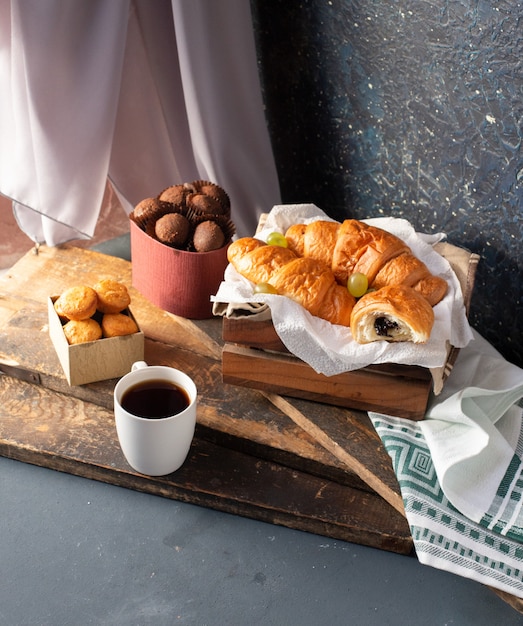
[
  {"x": 204, "y": 205},
  {"x": 208, "y": 236},
  {"x": 174, "y": 195},
  {"x": 218, "y": 193},
  {"x": 146, "y": 210},
  {"x": 172, "y": 229}
]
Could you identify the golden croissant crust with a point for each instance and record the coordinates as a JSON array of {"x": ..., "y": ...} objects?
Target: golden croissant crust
[
  {"x": 313, "y": 271},
  {"x": 354, "y": 246},
  {"x": 307, "y": 281}
]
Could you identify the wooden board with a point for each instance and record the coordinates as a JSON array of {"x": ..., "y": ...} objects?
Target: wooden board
[
  {"x": 314, "y": 446},
  {"x": 66, "y": 434},
  {"x": 296, "y": 463}
]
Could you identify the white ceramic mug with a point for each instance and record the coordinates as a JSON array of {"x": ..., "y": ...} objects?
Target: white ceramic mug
[{"x": 158, "y": 446}]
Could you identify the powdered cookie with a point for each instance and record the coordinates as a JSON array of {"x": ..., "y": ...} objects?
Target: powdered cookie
[{"x": 82, "y": 331}]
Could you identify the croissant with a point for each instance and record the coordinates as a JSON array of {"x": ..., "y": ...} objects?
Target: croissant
[
  {"x": 353, "y": 246},
  {"x": 393, "y": 313},
  {"x": 307, "y": 281}
]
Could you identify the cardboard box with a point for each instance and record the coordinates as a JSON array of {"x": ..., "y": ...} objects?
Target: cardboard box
[
  {"x": 174, "y": 280},
  {"x": 95, "y": 360}
]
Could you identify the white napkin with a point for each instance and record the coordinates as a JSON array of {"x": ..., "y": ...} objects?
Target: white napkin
[
  {"x": 329, "y": 349},
  {"x": 473, "y": 433},
  {"x": 460, "y": 471}
]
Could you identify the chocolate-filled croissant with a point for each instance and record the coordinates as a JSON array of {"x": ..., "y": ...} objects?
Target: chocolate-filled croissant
[
  {"x": 353, "y": 246},
  {"x": 307, "y": 281},
  {"x": 394, "y": 313}
]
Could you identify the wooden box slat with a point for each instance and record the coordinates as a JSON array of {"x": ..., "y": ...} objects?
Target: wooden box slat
[
  {"x": 363, "y": 389},
  {"x": 254, "y": 356}
]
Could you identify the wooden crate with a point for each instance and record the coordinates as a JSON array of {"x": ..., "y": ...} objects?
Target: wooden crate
[
  {"x": 253, "y": 356},
  {"x": 248, "y": 361},
  {"x": 300, "y": 464}
]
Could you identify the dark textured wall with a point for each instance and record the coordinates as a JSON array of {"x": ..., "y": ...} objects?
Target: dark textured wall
[{"x": 411, "y": 108}]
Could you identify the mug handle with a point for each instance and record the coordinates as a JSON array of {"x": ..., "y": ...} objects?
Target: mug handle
[{"x": 138, "y": 365}]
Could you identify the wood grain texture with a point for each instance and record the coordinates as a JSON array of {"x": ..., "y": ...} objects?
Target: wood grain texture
[
  {"x": 365, "y": 389},
  {"x": 361, "y": 452},
  {"x": 60, "y": 432}
]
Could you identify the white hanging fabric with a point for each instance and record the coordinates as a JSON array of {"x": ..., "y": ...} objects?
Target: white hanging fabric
[
  {"x": 57, "y": 110},
  {"x": 146, "y": 93}
]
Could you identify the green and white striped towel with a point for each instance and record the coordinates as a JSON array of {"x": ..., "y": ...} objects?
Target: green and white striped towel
[{"x": 461, "y": 471}]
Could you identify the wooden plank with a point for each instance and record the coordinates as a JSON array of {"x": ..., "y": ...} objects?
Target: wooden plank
[
  {"x": 241, "y": 419},
  {"x": 252, "y": 334},
  {"x": 260, "y": 426},
  {"x": 261, "y": 334},
  {"x": 358, "y": 454},
  {"x": 60, "y": 432},
  {"x": 364, "y": 390}
]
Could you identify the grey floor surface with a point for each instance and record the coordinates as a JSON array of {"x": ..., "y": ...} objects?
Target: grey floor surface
[{"x": 78, "y": 552}]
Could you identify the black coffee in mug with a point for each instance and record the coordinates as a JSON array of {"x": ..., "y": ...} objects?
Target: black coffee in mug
[{"x": 155, "y": 399}]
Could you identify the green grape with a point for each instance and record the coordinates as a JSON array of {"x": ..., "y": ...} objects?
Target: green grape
[
  {"x": 357, "y": 284},
  {"x": 264, "y": 288},
  {"x": 277, "y": 239}
]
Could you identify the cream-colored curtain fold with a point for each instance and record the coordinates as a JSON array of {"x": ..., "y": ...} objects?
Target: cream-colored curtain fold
[{"x": 144, "y": 93}]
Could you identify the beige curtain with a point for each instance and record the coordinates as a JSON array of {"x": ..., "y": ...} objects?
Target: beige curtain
[{"x": 144, "y": 93}]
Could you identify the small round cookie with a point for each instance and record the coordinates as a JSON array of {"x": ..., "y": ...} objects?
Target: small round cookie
[
  {"x": 82, "y": 331},
  {"x": 77, "y": 303},
  {"x": 113, "y": 296},
  {"x": 117, "y": 325}
]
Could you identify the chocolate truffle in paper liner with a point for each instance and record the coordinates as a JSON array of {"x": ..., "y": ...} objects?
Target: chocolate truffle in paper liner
[
  {"x": 204, "y": 238},
  {"x": 150, "y": 228},
  {"x": 204, "y": 205},
  {"x": 147, "y": 210},
  {"x": 214, "y": 191},
  {"x": 208, "y": 236},
  {"x": 174, "y": 195},
  {"x": 173, "y": 229}
]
